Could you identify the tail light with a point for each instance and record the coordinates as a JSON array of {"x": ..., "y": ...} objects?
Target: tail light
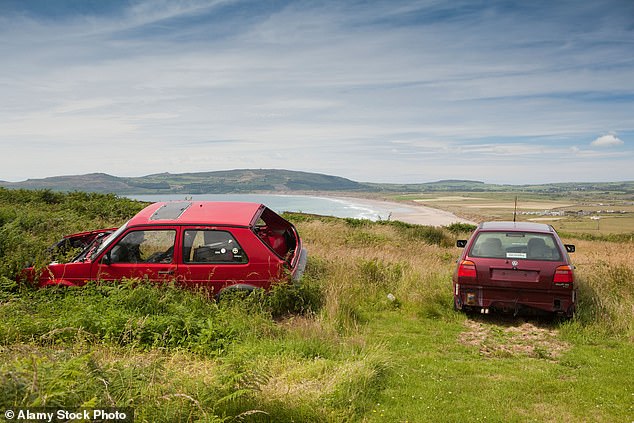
[
  {"x": 467, "y": 269},
  {"x": 563, "y": 274}
]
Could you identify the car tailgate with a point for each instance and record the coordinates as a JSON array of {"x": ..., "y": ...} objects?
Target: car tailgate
[{"x": 515, "y": 273}]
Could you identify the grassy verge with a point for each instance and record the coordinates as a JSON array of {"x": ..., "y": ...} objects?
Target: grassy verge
[{"x": 336, "y": 348}]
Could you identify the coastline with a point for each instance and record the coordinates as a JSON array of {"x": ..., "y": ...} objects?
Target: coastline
[{"x": 406, "y": 212}]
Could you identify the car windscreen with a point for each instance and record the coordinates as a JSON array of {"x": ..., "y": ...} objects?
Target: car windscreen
[
  {"x": 516, "y": 245},
  {"x": 91, "y": 247},
  {"x": 108, "y": 240}
]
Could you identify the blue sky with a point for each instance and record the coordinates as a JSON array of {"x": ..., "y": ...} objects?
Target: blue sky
[{"x": 379, "y": 91}]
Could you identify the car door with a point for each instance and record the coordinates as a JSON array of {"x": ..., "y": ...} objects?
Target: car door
[
  {"x": 216, "y": 257},
  {"x": 142, "y": 252}
]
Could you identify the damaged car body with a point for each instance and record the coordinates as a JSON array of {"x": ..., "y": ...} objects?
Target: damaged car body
[
  {"x": 515, "y": 267},
  {"x": 213, "y": 245}
]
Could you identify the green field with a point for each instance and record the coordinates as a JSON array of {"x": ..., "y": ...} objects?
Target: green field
[
  {"x": 334, "y": 348},
  {"x": 597, "y": 213}
]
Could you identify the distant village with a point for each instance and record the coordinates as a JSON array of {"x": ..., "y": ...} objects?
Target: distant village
[{"x": 578, "y": 213}]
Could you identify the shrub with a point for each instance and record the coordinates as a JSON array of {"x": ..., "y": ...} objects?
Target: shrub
[
  {"x": 34, "y": 220},
  {"x": 460, "y": 228}
]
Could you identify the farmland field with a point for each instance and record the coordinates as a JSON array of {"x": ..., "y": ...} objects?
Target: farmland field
[
  {"x": 335, "y": 348},
  {"x": 598, "y": 213}
]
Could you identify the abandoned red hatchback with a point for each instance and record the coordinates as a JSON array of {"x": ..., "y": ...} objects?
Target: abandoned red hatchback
[
  {"x": 515, "y": 267},
  {"x": 217, "y": 245}
]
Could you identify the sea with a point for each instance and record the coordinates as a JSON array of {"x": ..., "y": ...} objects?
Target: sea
[{"x": 327, "y": 206}]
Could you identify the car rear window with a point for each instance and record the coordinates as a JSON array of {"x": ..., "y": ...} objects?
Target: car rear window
[{"x": 516, "y": 245}]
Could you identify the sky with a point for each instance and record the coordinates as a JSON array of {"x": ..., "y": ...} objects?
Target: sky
[{"x": 512, "y": 92}]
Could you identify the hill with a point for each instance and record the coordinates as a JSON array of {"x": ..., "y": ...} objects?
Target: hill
[
  {"x": 280, "y": 180},
  {"x": 93, "y": 182},
  {"x": 220, "y": 182}
]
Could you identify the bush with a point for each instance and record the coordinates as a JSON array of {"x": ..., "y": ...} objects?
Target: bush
[
  {"x": 33, "y": 220},
  {"x": 460, "y": 228},
  {"x": 284, "y": 299}
]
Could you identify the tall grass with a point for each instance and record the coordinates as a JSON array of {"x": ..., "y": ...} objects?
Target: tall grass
[
  {"x": 606, "y": 301},
  {"x": 605, "y": 281},
  {"x": 114, "y": 345}
]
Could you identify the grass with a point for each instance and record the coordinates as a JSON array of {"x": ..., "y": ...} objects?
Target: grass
[
  {"x": 440, "y": 374},
  {"x": 369, "y": 335}
]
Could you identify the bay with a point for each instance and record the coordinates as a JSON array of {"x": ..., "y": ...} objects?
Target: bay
[{"x": 327, "y": 206}]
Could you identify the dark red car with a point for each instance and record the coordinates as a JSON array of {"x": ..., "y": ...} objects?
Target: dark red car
[
  {"x": 217, "y": 245},
  {"x": 515, "y": 267}
]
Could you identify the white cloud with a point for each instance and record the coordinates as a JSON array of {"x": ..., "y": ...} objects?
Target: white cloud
[{"x": 609, "y": 140}]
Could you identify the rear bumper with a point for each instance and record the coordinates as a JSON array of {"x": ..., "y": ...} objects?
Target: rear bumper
[{"x": 475, "y": 297}]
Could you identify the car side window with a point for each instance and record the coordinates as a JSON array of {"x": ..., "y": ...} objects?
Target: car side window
[
  {"x": 153, "y": 246},
  {"x": 211, "y": 246}
]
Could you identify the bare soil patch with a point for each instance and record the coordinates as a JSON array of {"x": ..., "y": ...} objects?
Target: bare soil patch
[{"x": 520, "y": 339}]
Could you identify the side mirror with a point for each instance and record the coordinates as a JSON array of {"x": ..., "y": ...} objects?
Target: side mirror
[
  {"x": 107, "y": 260},
  {"x": 570, "y": 248},
  {"x": 461, "y": 243}
]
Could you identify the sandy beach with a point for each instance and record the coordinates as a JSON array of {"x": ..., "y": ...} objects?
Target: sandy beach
[
  {"x": 360, "y": 207},
  {"x": 410, "y": 213}
]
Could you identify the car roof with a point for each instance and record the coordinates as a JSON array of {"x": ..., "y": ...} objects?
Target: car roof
[
  {"x": 224, "y": 213},
  {"x": 516, "y": 226}
]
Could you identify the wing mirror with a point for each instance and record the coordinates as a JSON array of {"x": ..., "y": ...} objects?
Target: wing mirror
[
  {"x": 461, "y": 243},
  {"x": 107, "y": 259},
  {"x": 570, "y": 248}
]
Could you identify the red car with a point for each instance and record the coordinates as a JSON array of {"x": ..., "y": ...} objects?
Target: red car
[
  {"x": 218, "y": 245},
  {"x": 514, "y": 267}
]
